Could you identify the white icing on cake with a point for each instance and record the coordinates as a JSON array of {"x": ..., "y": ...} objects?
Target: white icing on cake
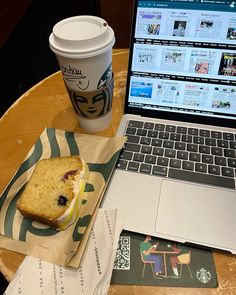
[{"x": 71, "y": 213}]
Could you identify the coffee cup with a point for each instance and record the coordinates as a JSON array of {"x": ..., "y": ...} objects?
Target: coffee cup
[{"x": 83, "y": 47}]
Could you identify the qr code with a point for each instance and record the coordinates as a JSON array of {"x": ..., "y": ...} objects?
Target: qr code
[{"x": 122, "y": 260}]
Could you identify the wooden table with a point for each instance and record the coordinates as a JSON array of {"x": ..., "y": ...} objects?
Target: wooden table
[{"x": 47, "y": 104}]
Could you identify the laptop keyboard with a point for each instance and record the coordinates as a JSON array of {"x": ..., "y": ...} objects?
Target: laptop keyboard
[{"x": 191, "y": 154}]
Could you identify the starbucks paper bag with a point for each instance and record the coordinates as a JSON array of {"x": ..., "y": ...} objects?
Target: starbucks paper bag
[{"x": 28, "y": 237}]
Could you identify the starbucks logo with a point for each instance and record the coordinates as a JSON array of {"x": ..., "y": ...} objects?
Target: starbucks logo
[
  {"x": 203, "y": 275},
  {"x": 93, "y": 104}
]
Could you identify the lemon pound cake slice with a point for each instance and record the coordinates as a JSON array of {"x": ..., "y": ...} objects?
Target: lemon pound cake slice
[{"x": 54, "y": 193}]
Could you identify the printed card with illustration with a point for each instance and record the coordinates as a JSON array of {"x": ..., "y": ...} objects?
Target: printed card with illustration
[
  {"x": 149, "y": 261},
  {"x": 64, "y": 247}
]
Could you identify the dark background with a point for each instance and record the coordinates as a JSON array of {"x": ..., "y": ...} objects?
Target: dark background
[
  {"x": 25, "y": 57},
  {"x": 3, "y": 284}
]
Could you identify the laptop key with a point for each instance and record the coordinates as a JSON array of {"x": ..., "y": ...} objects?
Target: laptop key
[
  {"x": 150, "y": 159},
  {"x": 204, "y": 149},
  {"x": 182, "y": 130},
  {"x": 192, "y": 131},
  {"x": 137, "y": 124},
  {"x": 148, "y": 125},
  {"x": 159, "y": 170},
  {"x": 199, "y": 167},
  {"x": 210, "y": 141},
  {"x": 159, "y": 127},
  {"x": 152, "y": 133},
  {"x": 158, "y": 151},
  {"x": 227, "y": 172},
  {"x": 232, "y": 145},
  {"x": 207, "y": 159},
  {"x": 198, "y": 140},
  {"x": 216, "y": 134},
  {"x": 146, "y": 149},
  {"x": 175, "y": 163},
  {"x": 187, "y": 138},
  {"x": 204, "y": 133},
  {"x": 188, "y": 165},
  {"x": 180, "y": 146},
  {"x": 168, "y": 144},
  {"x": 163, "y": 135},
  {"x": 220, "y": 161},
  {"x": 145, "y": 168},
  {"x": 175, "y": 136},
  {"x": 170, "y": 128},
  {"x": 132, "y": 147},
  {"x": 232, "y": 163},
  {"x": 195, "y": 157},
  {"x": 170, "y": 153},
  {"x": 162, "y": 161},
  {"x": 229, "y": 153},
  {"x": 156, "y": 142},
  {"x": 125, "y": 155},
  {"x": 228, "y": 136},
  {"x": 122, "y": 164},
  {"x": 130, "y": 130},
  {"x": 182, "y": 155},
  {"x": 142, "y": 132},
  {"x": 201, "y": 178},
  {"x": 133, "y": 138},
  {"x": 212, "y": 169},
  {"x": 138, "y": 157},
  {"x": 145, "y": 140},
  {"x": 217, "y": 151},
  {"x": 222, "y": 143},
  {"x": 192, "y": 147},
  {"x": 133, "y": 166}
]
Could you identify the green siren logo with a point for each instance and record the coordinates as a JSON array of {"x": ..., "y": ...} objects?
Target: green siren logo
[
  {"x": 106, "y": 77},
  {"x": 93, "y": 104},
  {"x": 97, "y": 103}
]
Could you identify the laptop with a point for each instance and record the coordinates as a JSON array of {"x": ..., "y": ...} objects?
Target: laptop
[{"x": 176, "y": 176}]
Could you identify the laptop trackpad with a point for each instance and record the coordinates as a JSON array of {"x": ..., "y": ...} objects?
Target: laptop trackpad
[{"x": 198, "y": 214}]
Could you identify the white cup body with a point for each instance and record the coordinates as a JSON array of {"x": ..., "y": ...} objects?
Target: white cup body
[
  {"x": 85, "y": 74},
  {"x": 83, "y": 47}
]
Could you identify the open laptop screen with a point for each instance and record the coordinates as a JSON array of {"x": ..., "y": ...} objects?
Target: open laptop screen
[{"x": 183, "y": 60}]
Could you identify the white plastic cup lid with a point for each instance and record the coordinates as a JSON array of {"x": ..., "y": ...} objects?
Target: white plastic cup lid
[{"x": 81, "y": 36}]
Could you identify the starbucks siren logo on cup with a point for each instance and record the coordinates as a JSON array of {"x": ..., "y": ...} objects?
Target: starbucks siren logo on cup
[{"x": 83, "y": 47}]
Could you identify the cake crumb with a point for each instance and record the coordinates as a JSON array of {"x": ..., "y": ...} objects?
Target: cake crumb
[{"x": 19, "y": 141}]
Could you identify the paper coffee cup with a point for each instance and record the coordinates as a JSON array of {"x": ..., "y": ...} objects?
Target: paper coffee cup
[{"x": 83, "y": 46}]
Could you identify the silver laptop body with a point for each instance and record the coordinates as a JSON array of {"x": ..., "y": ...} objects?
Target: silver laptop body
[{"x": 176, "y": 176}]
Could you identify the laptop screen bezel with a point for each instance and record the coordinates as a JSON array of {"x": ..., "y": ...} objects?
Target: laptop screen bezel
[{"x": 158, "y": 114}]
